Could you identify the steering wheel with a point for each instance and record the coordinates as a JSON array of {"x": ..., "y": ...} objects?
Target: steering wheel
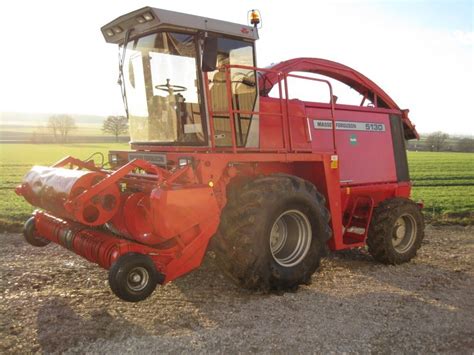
[{"x": 171, "y": 89}]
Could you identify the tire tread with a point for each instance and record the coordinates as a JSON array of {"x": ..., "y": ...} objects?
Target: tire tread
[
  {"x": 380, "y": 230},
  {"x": 234, "y": 244}
]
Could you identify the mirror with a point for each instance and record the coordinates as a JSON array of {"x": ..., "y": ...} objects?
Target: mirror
[{"x": 209, "y": 56}]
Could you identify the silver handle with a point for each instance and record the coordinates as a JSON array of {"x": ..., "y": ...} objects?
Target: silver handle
[{"x": 310, "y": 135}]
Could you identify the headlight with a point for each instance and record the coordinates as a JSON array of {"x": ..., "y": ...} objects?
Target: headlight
[
  {"x": 117, "y": 29},
  {"x": 148, "y": 16}
]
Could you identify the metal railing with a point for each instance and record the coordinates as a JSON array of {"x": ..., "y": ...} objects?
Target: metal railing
[{"x": 284, "y": 113}]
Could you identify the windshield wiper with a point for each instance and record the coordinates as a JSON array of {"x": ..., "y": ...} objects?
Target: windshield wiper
[{"x": 121, "y": 78}]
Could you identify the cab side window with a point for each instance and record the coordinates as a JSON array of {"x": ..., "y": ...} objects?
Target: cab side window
[{"x": 243, "y": 89}]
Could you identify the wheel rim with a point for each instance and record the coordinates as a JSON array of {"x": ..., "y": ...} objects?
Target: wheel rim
[
  {"x": 404, "y": 232},
  {"x": 290, "y": 238},
  {"x": 137, "y": 279}
]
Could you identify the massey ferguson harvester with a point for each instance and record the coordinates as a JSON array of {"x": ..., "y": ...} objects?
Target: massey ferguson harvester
[{"x": 222, "y": 156}]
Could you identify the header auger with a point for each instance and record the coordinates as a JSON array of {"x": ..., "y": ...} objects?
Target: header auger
[{"x": 221, "y": 153}]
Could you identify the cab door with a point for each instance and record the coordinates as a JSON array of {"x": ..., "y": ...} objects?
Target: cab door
[
  {"x": 300, "y": 128},
  {"x": 244, "y": 94}
]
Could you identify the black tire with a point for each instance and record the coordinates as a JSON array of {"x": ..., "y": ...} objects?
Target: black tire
[
  {"x": 242, "y": 243},
  {"x": 396, "y": 231},
  {"x": 123, "y": 271},
  {"x": 31, "y": 235}
]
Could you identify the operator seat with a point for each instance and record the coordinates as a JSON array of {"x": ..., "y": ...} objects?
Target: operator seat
[{"x": 219, "y": 92}]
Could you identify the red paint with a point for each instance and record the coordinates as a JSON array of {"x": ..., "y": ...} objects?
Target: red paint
[
  {"x": 54, "y": 189},
  {"x": 175, "y": 210}
]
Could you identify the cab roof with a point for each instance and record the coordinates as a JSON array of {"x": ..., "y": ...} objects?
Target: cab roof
[{"x": 149, "y": 19}]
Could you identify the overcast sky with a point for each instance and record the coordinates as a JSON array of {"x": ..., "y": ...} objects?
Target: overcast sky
[{"x": 53, "y": 57}]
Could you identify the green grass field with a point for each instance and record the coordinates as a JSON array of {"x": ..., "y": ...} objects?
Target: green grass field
[{"x": 444, "y": 181}]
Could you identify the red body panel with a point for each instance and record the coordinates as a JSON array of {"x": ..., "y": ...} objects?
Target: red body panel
[
  {"x": 369, "y": 159},
  {"x": 177, "y": 210}
]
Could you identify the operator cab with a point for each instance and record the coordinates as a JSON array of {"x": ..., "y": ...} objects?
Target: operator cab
[{"x": 172, "y": 74}]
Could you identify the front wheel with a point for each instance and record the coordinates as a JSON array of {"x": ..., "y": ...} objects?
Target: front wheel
[
  {"x": 133, "y": 277},
  {"x": 396, "y": 231},
  {"x": 31, "y": 235},
  {"x": 272, "y": 234}
]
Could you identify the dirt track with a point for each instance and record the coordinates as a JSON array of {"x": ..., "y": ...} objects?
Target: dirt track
[{"x": 53, "y": 301}]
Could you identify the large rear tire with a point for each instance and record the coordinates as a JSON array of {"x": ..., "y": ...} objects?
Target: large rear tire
[
  {"x": 396, "y": 231},
  {"x": 273, "y": 233}
]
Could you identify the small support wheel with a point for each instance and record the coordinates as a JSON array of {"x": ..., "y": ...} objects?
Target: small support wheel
[
  {"x": 133, "y": 277},
  {"x": 31, "y": 235}
]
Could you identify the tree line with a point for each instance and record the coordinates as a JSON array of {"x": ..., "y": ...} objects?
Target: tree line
[
  {"x": 62, "y": 125},
  {"x": 442, "y": 142}
]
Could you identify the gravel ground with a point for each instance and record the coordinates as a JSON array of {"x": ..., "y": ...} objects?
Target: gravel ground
[{"x": 53, "y": 301}]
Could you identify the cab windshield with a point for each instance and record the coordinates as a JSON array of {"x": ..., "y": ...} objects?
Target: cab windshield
[{"x": 160, "y": 75}]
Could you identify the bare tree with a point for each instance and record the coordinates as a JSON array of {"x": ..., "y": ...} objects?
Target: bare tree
[
  {"x": 115, "y": 125},
  {"x": 61, "y": 125},
  {"x": 466, "y": 145},
  {"x": 436, "y": 141},
  {"x": 53, "y": 123}
]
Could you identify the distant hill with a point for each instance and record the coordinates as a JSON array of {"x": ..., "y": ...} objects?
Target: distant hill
[{"x": 35, "y": 119}]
